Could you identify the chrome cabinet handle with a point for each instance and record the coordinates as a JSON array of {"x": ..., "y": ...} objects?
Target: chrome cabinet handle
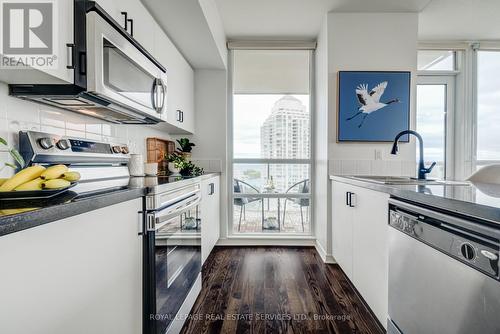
[
  {"x": 70, "y": 58},
  {"x": 180, "y": 116},
  {"x": 125, "y": 20},
  {"x": 131, "y": 27},
  {"x": 211, "y": 189},
  {"x": 351, "y": 196}
]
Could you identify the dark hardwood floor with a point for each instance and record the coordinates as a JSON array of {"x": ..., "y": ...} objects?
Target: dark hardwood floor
[{"x": 276, "y": 290}]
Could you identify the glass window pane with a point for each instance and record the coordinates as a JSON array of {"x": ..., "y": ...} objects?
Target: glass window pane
[
  {"x": 271, "y": 126},
  {"x": 436, "y": 60},
  {"x": 271, "y": 178},
  {"x": 488, "y": 112},
  {"x": 431, "y": 124},
  {"x": 283, "y": 215}
]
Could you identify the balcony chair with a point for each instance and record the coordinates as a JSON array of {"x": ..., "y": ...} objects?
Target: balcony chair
[
  {"x": 303, "y": 188},
  {"x": 241, "y": 187}
]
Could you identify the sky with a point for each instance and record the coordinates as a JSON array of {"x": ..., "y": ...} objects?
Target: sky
[{"x": 250, "y": 112}]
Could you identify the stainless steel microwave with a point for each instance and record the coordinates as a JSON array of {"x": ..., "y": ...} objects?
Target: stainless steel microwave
[{"x": 115, "y": 78}]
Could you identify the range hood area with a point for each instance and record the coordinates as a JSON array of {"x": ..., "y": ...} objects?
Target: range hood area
[{"x": 115, "y": 78}]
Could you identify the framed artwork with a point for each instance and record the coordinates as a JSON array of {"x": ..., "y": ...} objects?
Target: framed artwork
[{"x": 373, "y": 106}]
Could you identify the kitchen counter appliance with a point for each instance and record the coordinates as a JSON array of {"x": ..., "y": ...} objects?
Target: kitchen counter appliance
[
  {"x": 115, "y": 78},
  {"x": 443, "y": 272},
  {"x": 172, "y": 256}
]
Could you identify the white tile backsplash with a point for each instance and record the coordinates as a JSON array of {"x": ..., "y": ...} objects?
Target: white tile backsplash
[
  {"x": 17, "y": 114},
  {"x": 372, "y": 167}
]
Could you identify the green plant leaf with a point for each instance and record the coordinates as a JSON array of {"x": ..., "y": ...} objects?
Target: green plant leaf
[
  {"x": 17, "y": 157},
  {"x": 3, "y": 141}
]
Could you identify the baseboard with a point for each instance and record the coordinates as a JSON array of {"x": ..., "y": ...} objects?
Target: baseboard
[
  {"x": 260, "y": 241},
  {"x": 327, "y": 258}
]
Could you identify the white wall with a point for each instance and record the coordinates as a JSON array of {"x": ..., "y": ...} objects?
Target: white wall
[
  {"x": 320, "y": 137},
  {"x": 357, "y": 41},
  {"x": 16, "y": 115},
  {"x": 210, "y": 99},
  {"x": 370, "y": 41}
]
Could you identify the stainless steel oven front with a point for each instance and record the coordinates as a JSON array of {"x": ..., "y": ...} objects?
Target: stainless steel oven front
[
  {"x": 173, "y": 258},
  {"x": 120, "y": 72}
]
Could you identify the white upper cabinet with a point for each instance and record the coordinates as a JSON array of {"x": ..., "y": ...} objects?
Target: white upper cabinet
[
  {"x": 139, "y": 23},
  {"x": 179, "y": 78},
  {"x": 56, "y": 65}
]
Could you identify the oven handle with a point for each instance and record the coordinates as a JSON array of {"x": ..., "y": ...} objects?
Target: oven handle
[
  {"x": 176, "y": 210},
  {"x": 168, "y": 204}
]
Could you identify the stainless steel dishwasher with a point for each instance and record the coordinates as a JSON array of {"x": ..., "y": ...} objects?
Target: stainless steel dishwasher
[{"x": 443, "y": 273}]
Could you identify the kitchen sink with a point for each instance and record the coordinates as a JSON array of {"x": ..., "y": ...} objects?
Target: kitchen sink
[{"x": 403, "y": 180}]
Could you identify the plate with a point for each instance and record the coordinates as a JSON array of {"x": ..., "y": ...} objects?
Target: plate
[{"x": 34, "y": 194}]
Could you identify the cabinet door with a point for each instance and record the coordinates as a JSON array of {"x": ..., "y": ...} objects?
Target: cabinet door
[
  {"x": 210, "y": 216},
  {"x": 81, "y": 274},
  {"x": 342, "y": 216},
  {"x": 370, "y": 252},
  {"x": 179, "y": 107},
  {"x": 55, "y": 71}
]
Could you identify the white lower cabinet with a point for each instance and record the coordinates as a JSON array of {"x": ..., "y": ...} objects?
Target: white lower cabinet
[
  {"x": 359, "y": 242},
  {"x": 81, "y": 274},
  {"x": 210, "y": 215}
]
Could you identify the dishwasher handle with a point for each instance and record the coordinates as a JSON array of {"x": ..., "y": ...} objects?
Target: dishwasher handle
[{"x": 420, "y": 212}]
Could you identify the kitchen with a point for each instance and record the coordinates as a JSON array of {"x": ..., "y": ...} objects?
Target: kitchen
[{"x": 296, "y": 209}]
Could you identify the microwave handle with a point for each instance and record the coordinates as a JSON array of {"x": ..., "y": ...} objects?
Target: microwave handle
[{"x": 158, "y": 91}]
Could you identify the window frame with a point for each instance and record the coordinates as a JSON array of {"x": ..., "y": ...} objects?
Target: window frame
[
  {"x": 231, "y": 161},
  {"x": 448, "y": 80}
]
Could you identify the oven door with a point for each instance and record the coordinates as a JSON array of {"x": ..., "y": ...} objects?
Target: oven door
[
  {"x": 174, "y": 234},
  {"x": 119, "y": 72}
]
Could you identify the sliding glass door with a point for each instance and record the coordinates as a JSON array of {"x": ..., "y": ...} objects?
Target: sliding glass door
[{"x": 271, "y": 145}]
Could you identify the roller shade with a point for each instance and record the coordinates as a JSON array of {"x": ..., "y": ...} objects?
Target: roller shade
[{"x": 271, "y": 71}]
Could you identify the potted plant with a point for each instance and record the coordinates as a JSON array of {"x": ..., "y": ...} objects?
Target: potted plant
[
  {"x": 175, "y": 163},
  {"x": 190, "y": 169},
  {"x": 185, "y": 147},
  {"x": 4, "y": 147}
]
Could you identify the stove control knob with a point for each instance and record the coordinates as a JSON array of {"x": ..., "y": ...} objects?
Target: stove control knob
[
  {"x": 468, "y": 251},
  {"x": 46, "y": 143},
  {"x": 116, "y": 149},
  {"x": 63, "y": 144},
  {"x": 125, "y": 150}
]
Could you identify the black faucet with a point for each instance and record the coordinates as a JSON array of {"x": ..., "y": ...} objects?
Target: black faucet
[{"x": 422, "y": 171}]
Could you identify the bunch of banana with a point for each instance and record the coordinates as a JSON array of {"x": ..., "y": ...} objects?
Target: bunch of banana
[{"x": 39, "y": 178}]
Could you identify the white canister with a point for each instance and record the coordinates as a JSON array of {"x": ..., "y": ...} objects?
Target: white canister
[
  {"x": 151, "y": 168},
  {"x": 136, "y": 165}
]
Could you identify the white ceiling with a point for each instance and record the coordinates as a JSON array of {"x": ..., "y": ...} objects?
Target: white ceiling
[
  {"x": 301, "y": 19},
  {"x": 460, "y": 20},
  {"x": 296, "y": 19}
]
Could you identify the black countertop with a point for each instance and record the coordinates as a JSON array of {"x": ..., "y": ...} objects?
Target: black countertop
[
  {"x": 22, "y": 214},
  {"x": 481, "y": 201}
]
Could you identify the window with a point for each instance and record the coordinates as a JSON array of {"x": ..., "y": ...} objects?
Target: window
[
  {"x": 271, "y": 123},
  {"x": 488, "y": 112},
  {"x": 431, "y": 124},
  {"x": 435, "y": 102},
  {"x": 436, "y": 60}
]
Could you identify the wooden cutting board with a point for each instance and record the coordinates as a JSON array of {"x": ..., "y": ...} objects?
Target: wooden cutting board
[{"x": 157, "y": 149}]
